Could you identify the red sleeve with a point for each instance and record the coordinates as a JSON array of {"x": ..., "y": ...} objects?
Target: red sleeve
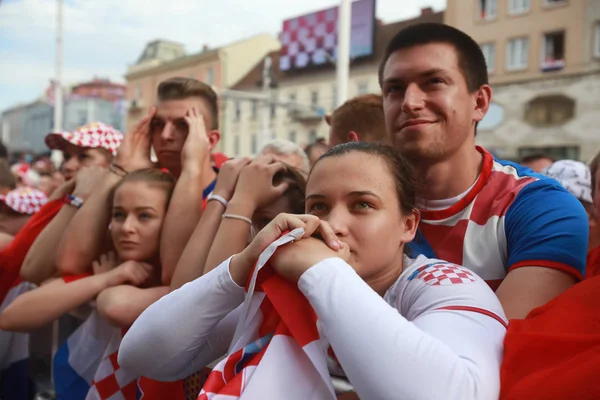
[
  {"x": 73, "y": 278},
  {"x": 593, "y": 263},
  {"x": 12, "y": 257},
  {"x": 554, "y": 353}
]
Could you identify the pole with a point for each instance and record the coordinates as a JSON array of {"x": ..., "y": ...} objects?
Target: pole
[
  {"x": 266, "y": 105},
  {"x": 343, "y": 51},
  {"x": 57, "y": 155}
]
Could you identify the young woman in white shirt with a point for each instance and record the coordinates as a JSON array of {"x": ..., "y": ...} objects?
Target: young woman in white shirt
[{"x": 401, "y": 328}]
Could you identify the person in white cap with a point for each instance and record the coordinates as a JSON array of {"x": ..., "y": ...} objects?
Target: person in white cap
[
  {"x": 574, "y": 176},
  {"x": 17, "y": 206},
  {"x": 88, "y": 151},
  {"x": 92, "y": 144}
]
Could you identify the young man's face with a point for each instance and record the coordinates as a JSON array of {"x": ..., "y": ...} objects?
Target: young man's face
[
  {"x": 169, "y": 130},
  {"x": 77, "y": 157},
  {"x": 428, "y": 108}
]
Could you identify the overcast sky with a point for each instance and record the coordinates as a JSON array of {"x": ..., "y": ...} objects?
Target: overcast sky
[{"x": 103, "y": 37}]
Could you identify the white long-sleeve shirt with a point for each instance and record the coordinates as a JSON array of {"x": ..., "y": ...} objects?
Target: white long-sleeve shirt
[{"x": 437, "y": 332}]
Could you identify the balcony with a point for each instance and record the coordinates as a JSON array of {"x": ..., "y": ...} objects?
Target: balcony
[
  {"x": 136, "y": 105},
  {"x": 306, "y": 114},
  {"x": 552, "y": 65}
]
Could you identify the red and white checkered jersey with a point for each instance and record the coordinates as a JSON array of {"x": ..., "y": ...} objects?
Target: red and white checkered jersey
[
  {"x": 510, "y": 218},
  {"x": 428, "y": 285}
]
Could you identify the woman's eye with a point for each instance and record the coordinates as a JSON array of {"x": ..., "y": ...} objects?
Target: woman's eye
[
  {"x": 118, "y": 215},
  {"x": 317, "y": 207},
  {"x": 362, "y": 205},
  {"x": 145, "y": 216}
]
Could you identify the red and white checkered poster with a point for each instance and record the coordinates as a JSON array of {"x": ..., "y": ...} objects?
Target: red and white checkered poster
[{"x": 312, "y": 39}]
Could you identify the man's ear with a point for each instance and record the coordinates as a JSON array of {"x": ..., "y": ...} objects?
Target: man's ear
[
  {"x": 353, "y": 137},
  {"x": 213, "y": 138}
]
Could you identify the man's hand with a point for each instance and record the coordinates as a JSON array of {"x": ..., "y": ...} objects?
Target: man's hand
[
  {"x": 134, "y": 152},
  {"x": 64, "y": 189},
  {"x": 196, "y": 148},
  {"x": 228, "y": 176},
  {"x": 255, "y": 186},
  {"x": 87, "y": 179}
]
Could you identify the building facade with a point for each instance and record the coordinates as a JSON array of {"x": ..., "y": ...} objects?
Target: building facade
[
  {"x": 220, "y": 67},
  {"x": 543, "y": 60},
  {"x": 79, "y": 111},
  {"x": 25, "y": 127},
  {"x": 13, "y": 126},
  {"x": 38, "y": 122},
  {"x": 300, "y": 99}
]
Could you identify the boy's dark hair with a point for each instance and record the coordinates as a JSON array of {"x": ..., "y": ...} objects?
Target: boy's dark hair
[{"x": 183, "y": 88}]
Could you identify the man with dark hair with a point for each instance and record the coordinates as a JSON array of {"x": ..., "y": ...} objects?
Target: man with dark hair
[
  {"x": 359, "y": 119},
  {"x": 176, "y": 96},
  {"x": 524, "y": 234},
  {"x": 537, "y": 161}
]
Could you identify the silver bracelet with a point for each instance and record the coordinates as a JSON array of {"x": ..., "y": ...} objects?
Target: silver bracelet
[
  {"x": 218, "y": 198},
  {"x": 235, "y": 216}
]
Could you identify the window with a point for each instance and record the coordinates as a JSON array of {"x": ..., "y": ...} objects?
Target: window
[
  {"x": 518, "y": 6},
  {"x": 554, "y": 2},
  {"x": 487, "y": 9},
  {"x": 253, "y": 144},
  {"x": 314, "y": 98},
  {"x": 254, "y": 109},
  {"x": 82, "y": 117},
  {"x": 557, "y": 153},
  {"x": 489, "y": 52},
  {"x": 238, "y": 111},
  {"x": 549, "y": 110},
  {"x": 312, "y": 136},
  {"x": 236, "y": 145},
  {"x": 553, "y": 51},
  {"x": 597, "y": 40},
  {"x": 138, "y": 92},
  {"x": 363, "y": 88},
  {"x": 292, "y": 136},
  {"x": 273, "y": 110},
  {"x": 517, "y": 54},
  {"x": 210, "y": 76}
]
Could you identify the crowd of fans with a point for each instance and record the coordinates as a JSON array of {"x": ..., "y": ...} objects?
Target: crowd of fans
[{"x": 401, "y": 259}]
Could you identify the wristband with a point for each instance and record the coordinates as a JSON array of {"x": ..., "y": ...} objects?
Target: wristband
[
  {"x": 218, "y": 198},
  {"x": 117, "y": 170},
  {"x": 73, "y": 200},
  {"x": 240, "y": 217}
]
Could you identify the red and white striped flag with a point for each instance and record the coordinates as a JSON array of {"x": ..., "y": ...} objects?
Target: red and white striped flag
[{"x": 276, "y": 352}]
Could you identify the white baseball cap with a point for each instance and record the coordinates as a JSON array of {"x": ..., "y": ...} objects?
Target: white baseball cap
[{"x": 574, "y": 176}]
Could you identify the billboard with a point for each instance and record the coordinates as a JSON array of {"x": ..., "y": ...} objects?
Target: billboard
[{"x": 311, "y": 39}]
